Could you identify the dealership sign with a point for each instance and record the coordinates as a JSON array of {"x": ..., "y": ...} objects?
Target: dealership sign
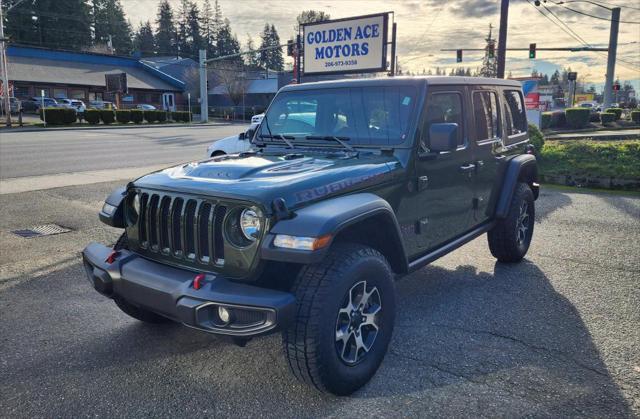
[{"x": 353, "y": 45}]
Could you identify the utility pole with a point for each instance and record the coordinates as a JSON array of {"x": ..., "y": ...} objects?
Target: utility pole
[
  {"x": 5, "y": 71},
  {"x": 502, "y": 38},
  {"x": 611, "y": 57},
  {"x": 204, "y": 94}
]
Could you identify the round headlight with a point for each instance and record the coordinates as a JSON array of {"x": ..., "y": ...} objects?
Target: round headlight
[
  {"x": 250, "y": 224},
  {"x": 136, "y": 204}
]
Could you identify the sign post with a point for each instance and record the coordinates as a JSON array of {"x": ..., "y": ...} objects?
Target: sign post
[
  {"x": 351, "y": 45},
  {"x": 189, "y": 103},
  {"x": 44, "y": 118}
]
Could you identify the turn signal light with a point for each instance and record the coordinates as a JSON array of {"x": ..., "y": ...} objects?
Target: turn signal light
[{"x": 301, "y": 243}]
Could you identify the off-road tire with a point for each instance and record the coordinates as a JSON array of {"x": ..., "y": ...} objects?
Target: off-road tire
[
  {"x": 139, "y": 313},
  {"x": 320, "y": 290},
  {"x": 503, "y": 238}
]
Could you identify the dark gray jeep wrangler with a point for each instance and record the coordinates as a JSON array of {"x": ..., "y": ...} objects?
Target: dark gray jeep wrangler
[{"x": 350, "y": 185}]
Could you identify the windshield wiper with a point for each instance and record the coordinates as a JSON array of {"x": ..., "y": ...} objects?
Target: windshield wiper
[
  {"x": 285, "y": 138},
  {"x": 341, "y": 140}
]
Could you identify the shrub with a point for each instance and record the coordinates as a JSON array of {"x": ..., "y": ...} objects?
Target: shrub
[
  {"x": 150, "y": 116},
  {"x": 181, "y": 116},
  {"x": 107, "y": 116},
  {"x": 137, "y": 116},
  {"x": 635, "y": 116},
  {"x": 607, "y": 117},
  {"x": 577, "y": 117},
  {"x": 617, "y": 111},
  {"x": 123, "y": 116},
  {"x": 558, "y": 119},
  {"x": 594, "y": 117},
  {"x": 536, "y": 138},
  {"x": 92, "y": 116},
  {"x": 161, "y": 116},
  {"x": 59, "y": 116}
]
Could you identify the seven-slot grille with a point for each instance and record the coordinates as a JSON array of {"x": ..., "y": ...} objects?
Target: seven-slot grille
[{"x": 183, "y": 228}]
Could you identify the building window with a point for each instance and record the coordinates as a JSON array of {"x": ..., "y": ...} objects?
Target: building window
[
  {"x": 59, "y": 93},
  {"x": 95, "y": 95},
  {"x": 76, "y": 94},
  {"x": 21, "y": 91}
]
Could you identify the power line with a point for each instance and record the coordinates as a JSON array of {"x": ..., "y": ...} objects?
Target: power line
[
  {"x": 593, "y": 16},
  {"x": 577, "y": 38}
]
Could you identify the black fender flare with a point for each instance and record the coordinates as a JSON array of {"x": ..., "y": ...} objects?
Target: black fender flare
[
  {"x": 521, "y": 168},
  {"x": 116, "y": 199},
  {"x": 330, "y": 217}
]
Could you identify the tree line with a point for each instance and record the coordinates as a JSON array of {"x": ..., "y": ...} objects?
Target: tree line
[{"x": 102, "y": 26}]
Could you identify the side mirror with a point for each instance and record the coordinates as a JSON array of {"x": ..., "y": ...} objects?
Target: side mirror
[
  {"x": 443, "y": 137},
  {"x": 241, "y": 136},
  {"x": 249, "y": 134}
]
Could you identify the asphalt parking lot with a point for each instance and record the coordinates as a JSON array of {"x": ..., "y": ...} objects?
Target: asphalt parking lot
[{"x": 556, "y": 335}]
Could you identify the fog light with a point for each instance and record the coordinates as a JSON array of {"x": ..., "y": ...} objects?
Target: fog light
[{"x": 224, "y": 314}]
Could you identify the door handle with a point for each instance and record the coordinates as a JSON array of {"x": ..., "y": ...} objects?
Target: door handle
[
  {"x": 467, "y": 167},
  {"x": 480, "y": 164},
  {"x": 500, "y": 157}
]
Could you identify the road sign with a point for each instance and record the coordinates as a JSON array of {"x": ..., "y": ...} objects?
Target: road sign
[
  {"x": 351, "y": 45},
  {"x": 572, "y": 76}
]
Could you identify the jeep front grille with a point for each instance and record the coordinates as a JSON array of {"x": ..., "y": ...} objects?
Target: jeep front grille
[{"x": 181, "y": 228}]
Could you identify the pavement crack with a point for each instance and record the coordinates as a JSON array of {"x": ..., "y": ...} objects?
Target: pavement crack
[
  {"x": 557, "y": 354},
  {"x": 436, "y": 367}
]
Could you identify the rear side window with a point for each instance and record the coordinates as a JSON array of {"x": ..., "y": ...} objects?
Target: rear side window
[
  {"x": 443, "y": 107},
  {"x": 514, "y": 113},
  {"x": 485, "y": 109}
]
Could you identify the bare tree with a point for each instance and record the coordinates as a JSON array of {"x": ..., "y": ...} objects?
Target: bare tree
[{"x": 232, "y": 77}]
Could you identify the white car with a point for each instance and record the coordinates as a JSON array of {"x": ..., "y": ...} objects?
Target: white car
[
  {"x": 234, "y": 144},
  {"x": 256, "y": 119}
]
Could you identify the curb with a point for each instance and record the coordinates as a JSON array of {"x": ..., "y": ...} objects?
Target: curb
[{"x": 101, "y": 127}]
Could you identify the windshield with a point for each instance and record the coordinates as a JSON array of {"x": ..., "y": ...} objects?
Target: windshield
[{"x": 363, "y": 115}]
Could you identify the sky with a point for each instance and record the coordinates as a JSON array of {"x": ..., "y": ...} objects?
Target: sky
[{"x": 425, "y": 27}]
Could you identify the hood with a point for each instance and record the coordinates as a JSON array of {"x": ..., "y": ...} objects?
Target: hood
[{"x": 260, "y": 178}]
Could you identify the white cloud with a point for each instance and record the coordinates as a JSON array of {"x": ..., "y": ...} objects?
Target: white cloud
[{"x": 426, "y": 27}]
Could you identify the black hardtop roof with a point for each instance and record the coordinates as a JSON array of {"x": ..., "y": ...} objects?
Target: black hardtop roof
[{"x": 402, "y": 81}]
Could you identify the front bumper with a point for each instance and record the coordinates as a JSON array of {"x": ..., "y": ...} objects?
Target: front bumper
[{"x": 169, "y": 292}]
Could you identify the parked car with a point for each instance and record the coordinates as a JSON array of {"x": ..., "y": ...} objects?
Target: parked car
[
  {"x": 145, "y": 107},
  {"x": 34, "y": 103},
  {"x": 14, "y": 105},
  {"x": 64, "y": 103},
  {"x": 256, "y": 119},
  {"x": 306, "y": 233},
  {"x": 101, "y": 104},
  {"x": 233, "y": 144}
]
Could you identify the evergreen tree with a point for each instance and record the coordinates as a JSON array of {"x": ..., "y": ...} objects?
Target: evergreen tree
[
  {"x": 310, "y": 16},
  {"x": 489, "y": 64},
  {"x": 271, "y": 58},
  {"x": 182, "y": 40},
  {"x": 59, "y": 24},
  {"x": 166, "y": 32},
  {"x": 109, "y": 22},
  {"x": 252, "y": 60},
  {"x": 227, "y": 43},
  {"x": 144, "y": 41},
  {"x": 194, "y": 35},
  {"x": 206, "y": 26}
]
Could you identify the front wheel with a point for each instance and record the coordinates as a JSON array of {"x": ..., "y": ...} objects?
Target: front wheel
[
  {"x": 346, "y": 312},
  {"x": 509, "y": 240}
]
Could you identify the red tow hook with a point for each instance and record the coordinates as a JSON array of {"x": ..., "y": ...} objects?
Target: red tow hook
[
  {"x": 198, "y": 281},
  {"x": 112, "y": 257}
]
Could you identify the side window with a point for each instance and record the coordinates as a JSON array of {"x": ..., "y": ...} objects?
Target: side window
[
  {"x": 485, "y": 110},
  {"x": 443, "y": 107},
  {"x": 514, "y": 113}
]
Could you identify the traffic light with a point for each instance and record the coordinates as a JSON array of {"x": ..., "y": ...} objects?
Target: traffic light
[
  {"x": 492, "y": 50},
  {"x": 459, "y": 56},
  {"x": 532, "y": 51},
  {"x": 290, "y": 47},
  {"x": 616, "y": 87}
]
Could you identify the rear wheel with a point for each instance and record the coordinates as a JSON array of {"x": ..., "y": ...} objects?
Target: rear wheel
[
  {"x": 509, "y": 240},
  {"x": 345, "y": 317},
  {"x": 218, "y": 153}
]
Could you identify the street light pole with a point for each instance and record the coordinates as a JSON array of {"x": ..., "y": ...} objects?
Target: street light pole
[
  {"x": 502, "y": 38},
  {"x": 611, "y": 57}
]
